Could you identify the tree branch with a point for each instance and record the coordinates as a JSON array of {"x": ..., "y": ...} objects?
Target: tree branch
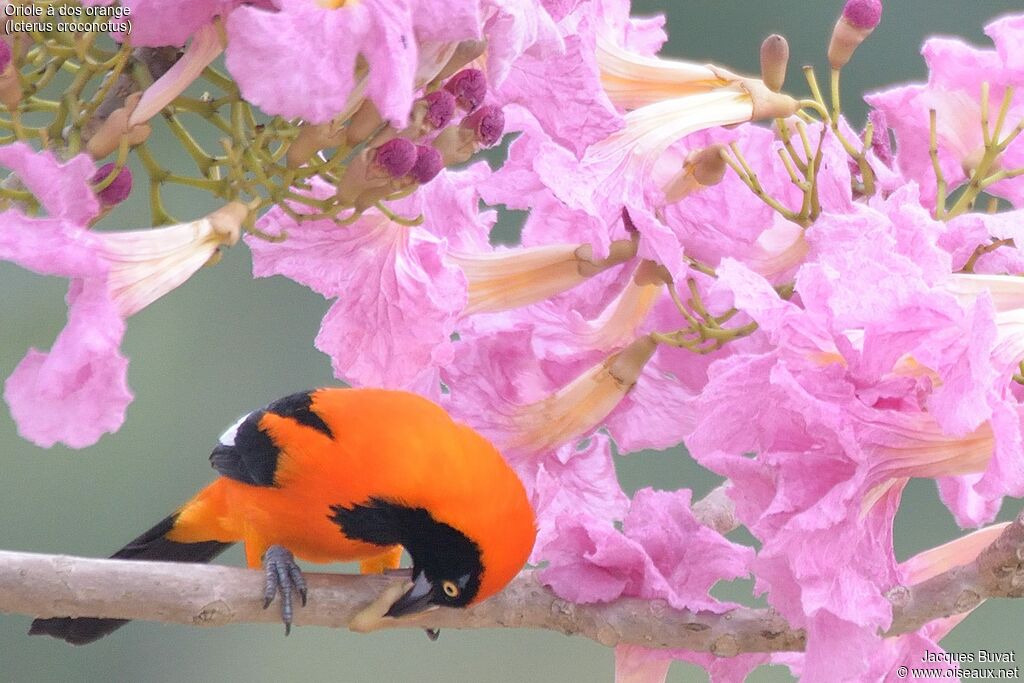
[
  {"x": 210, "y": 595},
  {"x": 998, "y": 572},
  {"x": 200, "y": 595}
]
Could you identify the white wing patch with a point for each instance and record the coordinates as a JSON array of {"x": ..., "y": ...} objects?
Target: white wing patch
[{"x": 228, "y": 437}]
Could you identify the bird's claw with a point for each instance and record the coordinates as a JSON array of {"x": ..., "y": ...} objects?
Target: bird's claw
[{"x": 283, "y": 576}]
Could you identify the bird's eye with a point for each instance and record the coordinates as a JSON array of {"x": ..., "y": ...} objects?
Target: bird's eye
[{"x": 450, "y": 589}]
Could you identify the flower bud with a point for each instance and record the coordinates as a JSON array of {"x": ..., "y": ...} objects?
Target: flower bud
[
  {"x": 469, "y": 87},
  {"x": 395, "y": 157},
  {"x": 703, "y": 168},
  {"x": 859, "y": 19},
  {"x": 428, "y": 164},
  {"x": 774, "y": 58},
  {"x": 429, "y": 114},
  {"x": 118, "y": 189},
  {"x": 440, "y": 107},
  {"x": 487, "y": 122},
  {"x": 371, "y": 174},
  {"x": 480, "y": 129}
]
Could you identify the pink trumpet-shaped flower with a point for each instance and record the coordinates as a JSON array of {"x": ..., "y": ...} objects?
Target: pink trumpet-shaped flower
[{"x": 78, "y": 391}]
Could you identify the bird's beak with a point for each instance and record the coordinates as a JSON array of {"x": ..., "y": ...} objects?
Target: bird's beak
[{"x": 416, "y": 599}]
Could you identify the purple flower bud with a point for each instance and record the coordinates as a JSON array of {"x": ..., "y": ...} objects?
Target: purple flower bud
[
  {"x": 428, "y": 164},
  {"x": 487, "y": 122},
  {"x": 5, "y": 54},
  {"x": 440, "y": 108},
  {"x": 469, "y": 87},
  {"x": 118, "y": 189},
  {"x": 863, "y": 14},
  {"x": 396, "y": 157}
]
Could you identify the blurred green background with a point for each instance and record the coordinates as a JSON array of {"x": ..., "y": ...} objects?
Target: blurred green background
[{"x": 224, "y": 343}]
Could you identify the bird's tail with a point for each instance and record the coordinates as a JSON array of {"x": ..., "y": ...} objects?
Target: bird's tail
[{"x": 152, "y": 545}]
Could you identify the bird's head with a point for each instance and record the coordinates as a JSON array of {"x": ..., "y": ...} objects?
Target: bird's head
[
  {"x": 447, "y": 569},
  {"x": 450, "y": 568}
]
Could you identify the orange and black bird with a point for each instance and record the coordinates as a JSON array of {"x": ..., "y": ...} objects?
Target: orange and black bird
[{"x": 348, "y": 474}]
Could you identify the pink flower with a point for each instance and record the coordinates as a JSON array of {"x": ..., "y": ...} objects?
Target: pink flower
[
  {"x": 634, "y": 664},
  {"x": 861, "y": 387},
  {"x": 954, "y": 92},
  {"x": 536, "y": 378},
  {"x": 398, "y": 297},
  {"x": 563, "y": 91},
  {"x": 546, "y": 178},
  {"x": 78, "y": 391},
  {"x": 515, "y": 27},
  {"x": 662, "y": 552},
  {"x": 289, "y": 62},
  {"x": 288, "y": 59},
  {"x": 911, "y": 648},
  {"x": 575, "y": 479},
  {"x": 727, "y": 219}
]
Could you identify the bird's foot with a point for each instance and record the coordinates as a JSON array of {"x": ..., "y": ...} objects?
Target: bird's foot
[{"x": 284, "y": 577}]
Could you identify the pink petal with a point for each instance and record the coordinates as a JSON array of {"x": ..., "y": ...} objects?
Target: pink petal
[
  {"x": 564, "y": 93},
  {"x": 686, "y": 558},
  {"x": 512, "y": 28},
  {"x": 397, "y": 298},
  {"x": 78, "y": 391},
  {"x": 577, "y": 480},
  {"x": 291, "y": 63},
  {"x": 49, "y": 246},
  {"x": 590, "y": 561},
  {"x": 1007, "y": 34},
  {"x": 634, "y": 664},
  {"x": 63, "y": 189}
]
